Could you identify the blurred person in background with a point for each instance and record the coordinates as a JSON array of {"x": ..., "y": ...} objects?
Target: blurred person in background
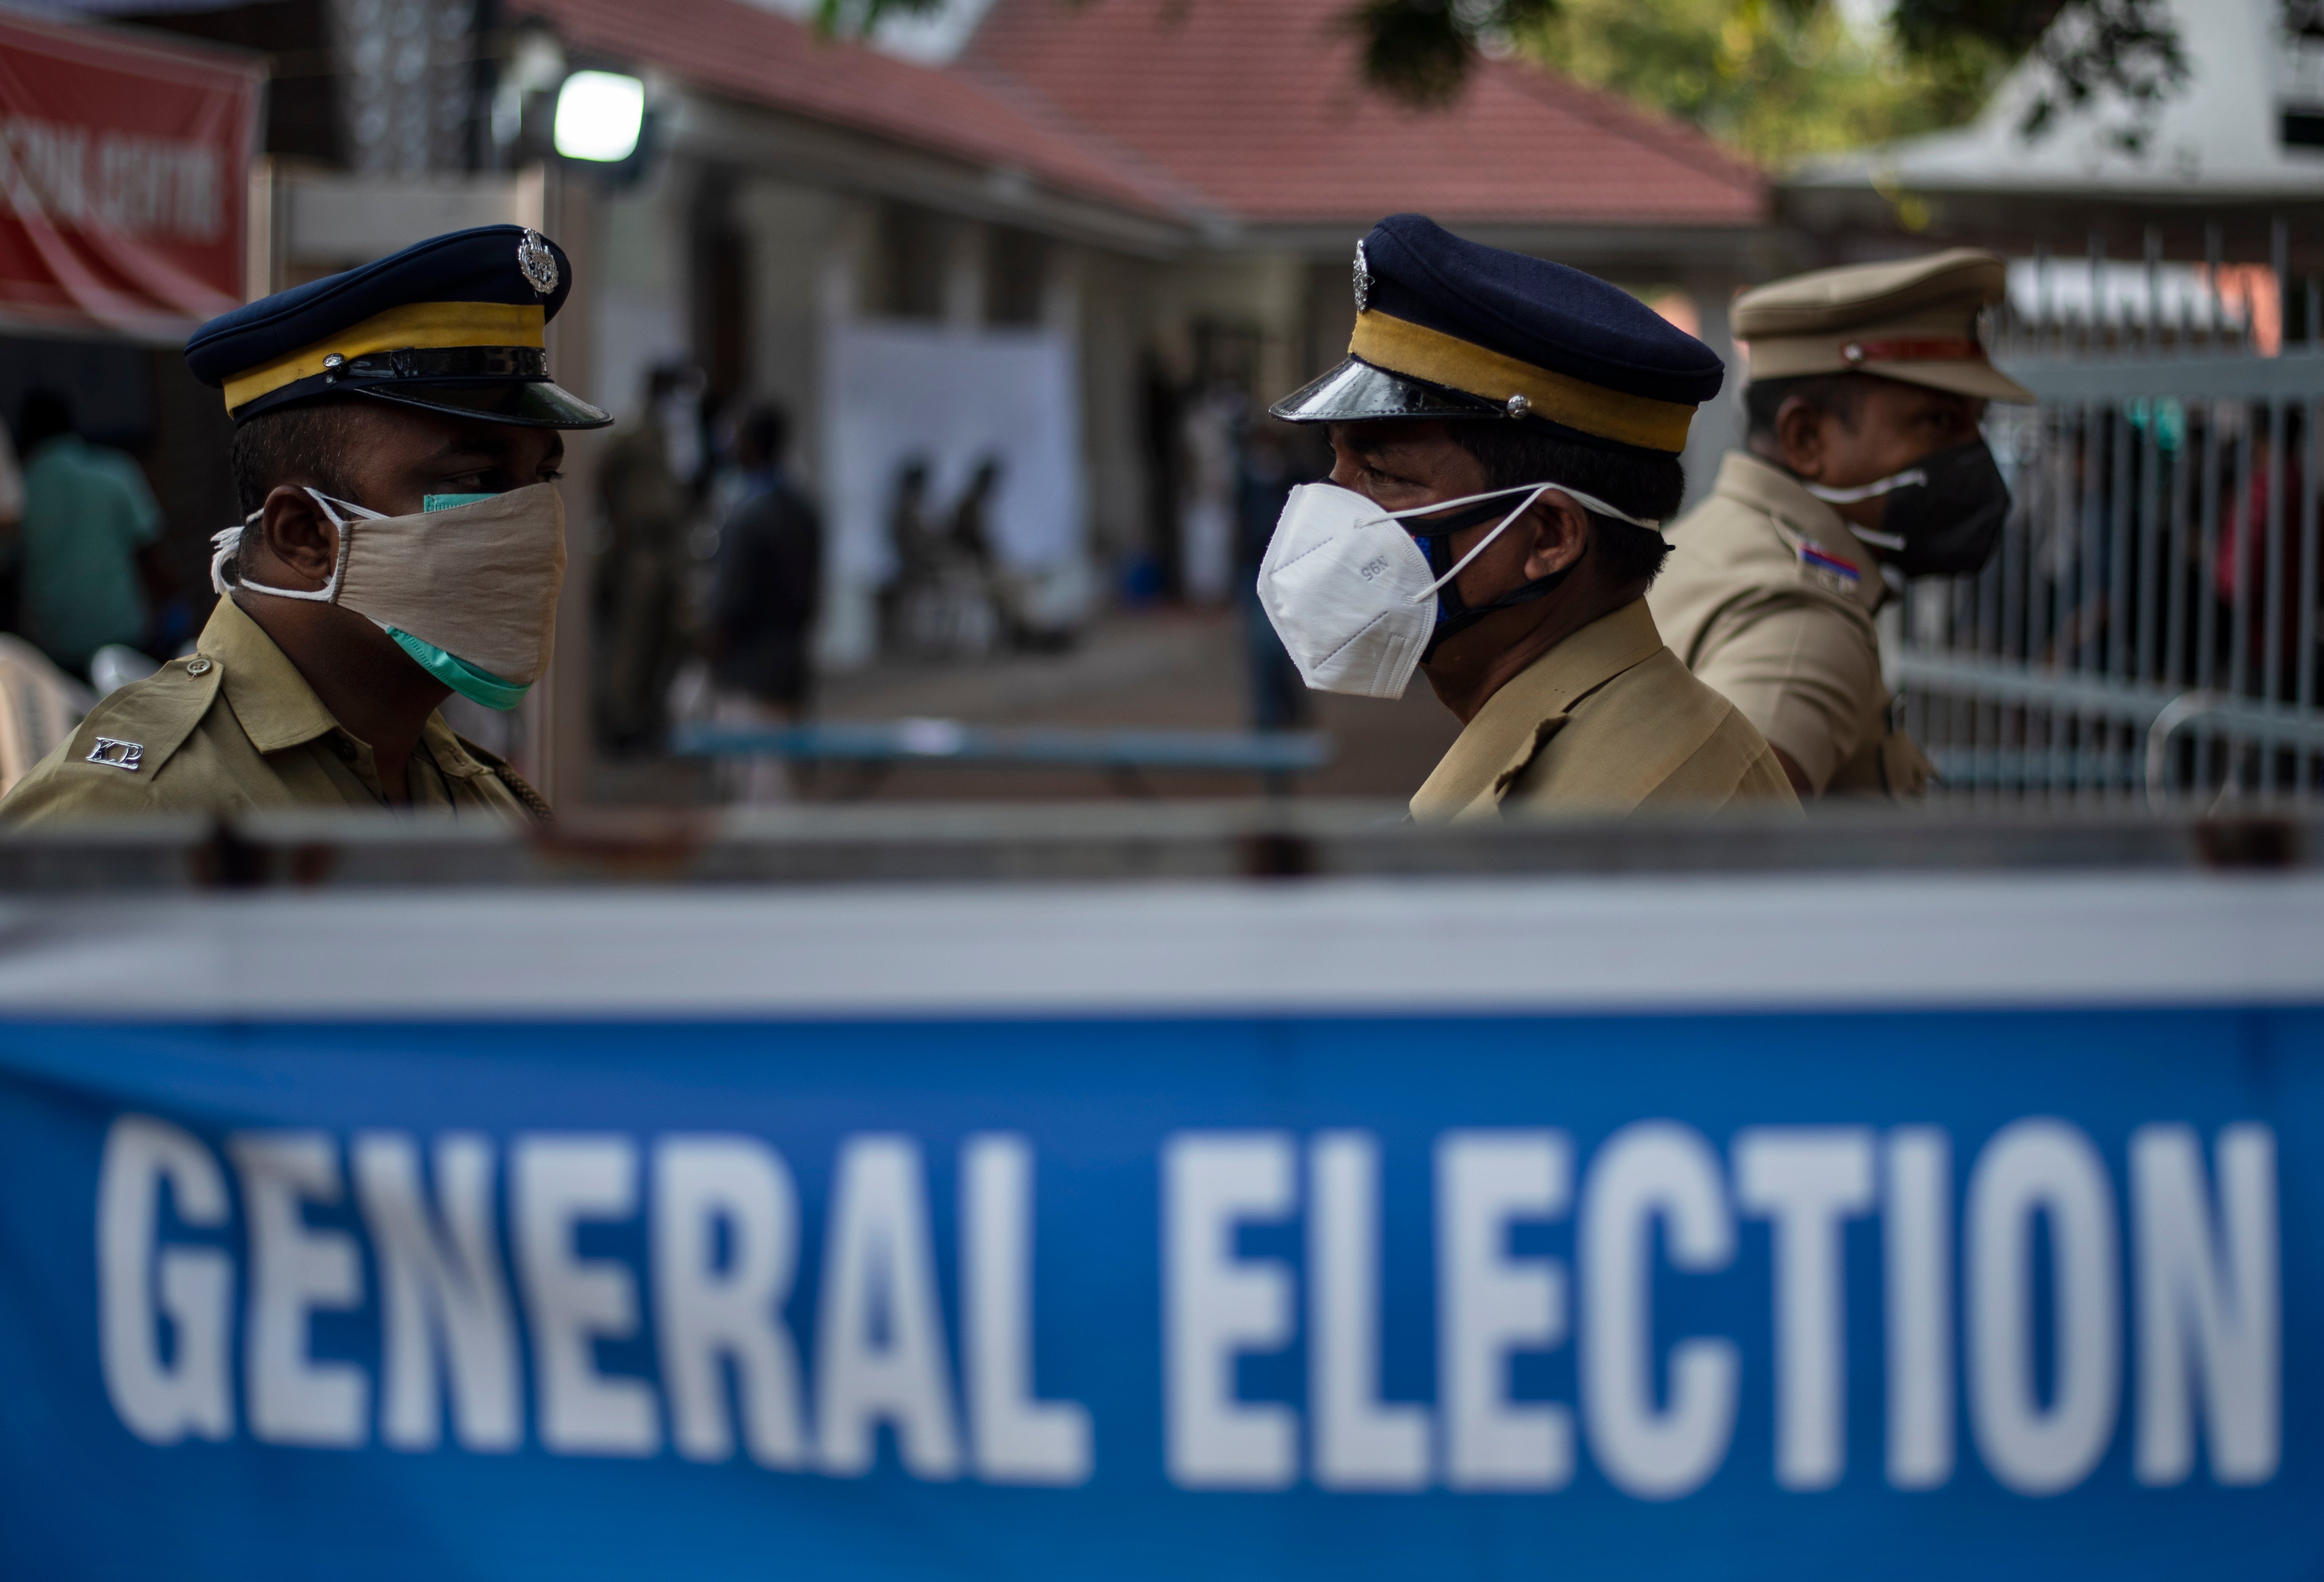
[
  {"x": 1506, "y": 435},
  {"x": 396, "y": 449},
  {"x": 1273, "y": 463},
  {"x": 89, "y": 544},
  {"x": 12, "y": 518},
  {"x": 1206, "y": 528},
  {"x": 981, "y": 596},
  {"x": 1002, "y": 597},
  {"x": 639, "y": 599},
  {"x": 2240, "y": 565},
  {"x": 39, "y": 703},
  {"x": 943, "y": 602},
  {"x": 971, "y": 524},
  {"x": 766, "y": 586},
  {"x": 916, "y": 552},
  {"x": 1868, "y": 387}
]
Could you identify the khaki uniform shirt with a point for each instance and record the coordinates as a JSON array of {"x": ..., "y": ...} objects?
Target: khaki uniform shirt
[
  {"x": 1606, "y": 722},
  {"x": 234, "y": 729},
  {"x": 1768, "y": 598}
]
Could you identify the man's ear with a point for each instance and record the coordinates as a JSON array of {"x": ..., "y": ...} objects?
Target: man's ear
[
  {"x": 1799, "y": 437},
  {"x": 297, "y": 543},
  {"x": 1560, "y": 532}
]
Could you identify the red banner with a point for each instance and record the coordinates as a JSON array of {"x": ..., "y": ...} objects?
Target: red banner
[{"x": 123, "y": 180}]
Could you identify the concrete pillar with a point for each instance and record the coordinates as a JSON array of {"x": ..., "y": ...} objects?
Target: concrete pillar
[
  {"x": 640, "y": 291},
  {"x": 1110, "y": 295},
  {"x": 557, "y": 751},
  {"x": 789, "y": 231},
  {"x": 1718, "y": 426},
  {"x": 849, "y": 636},
  {"x": 1281, "y": 298},
  {"x": 966, "y": 255}
]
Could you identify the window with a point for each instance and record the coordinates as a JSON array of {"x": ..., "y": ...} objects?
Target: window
[
  {"x": 907, "y": 268},
  {"x": 1016, "y": 271}
]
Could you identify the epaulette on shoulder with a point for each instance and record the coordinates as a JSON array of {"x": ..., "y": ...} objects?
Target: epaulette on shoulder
[
  {"x": 135, "y": 728},
  {"x": 514, "y": 783},
  {"x": 1827, "y": 569}
]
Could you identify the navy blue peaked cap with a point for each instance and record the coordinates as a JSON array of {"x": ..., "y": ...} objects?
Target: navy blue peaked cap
[
  {"x": 453, "y": 324},
  {"x": 1461, "y": 330}
]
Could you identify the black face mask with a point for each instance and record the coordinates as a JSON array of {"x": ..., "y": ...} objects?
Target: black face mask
[
  {"x": 1452, "y": 614},
  {"x": 1943, "y": 514}
]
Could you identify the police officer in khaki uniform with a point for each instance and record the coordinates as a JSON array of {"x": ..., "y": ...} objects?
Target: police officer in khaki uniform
[
  {"x": 1506, "y": 434},
  {"x": 1868, "y": 387},
  {"x": 396, "y": 446}
]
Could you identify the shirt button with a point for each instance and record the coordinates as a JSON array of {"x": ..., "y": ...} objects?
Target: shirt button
[
  {"x": 198, "y": 667},
  {"x": 343, "y": 748}
]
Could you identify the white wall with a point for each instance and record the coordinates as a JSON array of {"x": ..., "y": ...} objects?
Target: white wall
[
  {"x": 893, "y": 392},
  {"x": 640, "y": 300}
]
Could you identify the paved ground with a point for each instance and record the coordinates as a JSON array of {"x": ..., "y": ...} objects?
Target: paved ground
[{"x": 1163, "y": 669}]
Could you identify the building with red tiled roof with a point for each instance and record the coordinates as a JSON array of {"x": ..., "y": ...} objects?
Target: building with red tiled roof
[
  {"x": 1260, "y": 109},
  {"x": 755, "y": 58},
  {"x": 1062, "y": 247}
]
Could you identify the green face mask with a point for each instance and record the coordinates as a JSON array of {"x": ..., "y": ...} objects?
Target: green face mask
[{"x": 476, "y": 686}]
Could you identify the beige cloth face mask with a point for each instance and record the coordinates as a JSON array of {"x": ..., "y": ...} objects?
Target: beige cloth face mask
[{"x": 477, "y": 583}]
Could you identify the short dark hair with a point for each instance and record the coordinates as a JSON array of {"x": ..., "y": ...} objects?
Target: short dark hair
[
  {"x": 1647, "y": 483},
  {"x": 47, "y": 413},
  {"x": 767, "y": 429},
  {"x": 301, "y": 443},
  {"x": 1841, "y": 394}
]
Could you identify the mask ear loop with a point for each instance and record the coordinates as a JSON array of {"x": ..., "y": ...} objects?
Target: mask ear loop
[
  {"x": 226, "y": 543},
  {"x": 1482, "y": 545},
  {"x": 229, "y": 543},
  {"x": 1590, "y": 502},
  {"x": 1871, "y": 491},
  {"x": 1441, "y": 506}
]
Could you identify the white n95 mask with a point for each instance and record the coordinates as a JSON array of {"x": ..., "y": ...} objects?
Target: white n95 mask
[
  {"x": 470, "y": 592},
  {"x": 1359, "y": 599}
]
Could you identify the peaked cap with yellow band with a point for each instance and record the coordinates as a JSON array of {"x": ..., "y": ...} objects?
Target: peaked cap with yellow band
[
  {"x": 453, "y": 324},
  {"x": 1912, "y": 319},
  {"x": 1451, "y": 328}
]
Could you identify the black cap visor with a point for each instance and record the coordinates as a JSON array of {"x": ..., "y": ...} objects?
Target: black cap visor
[
  {"x": 1355, "y": 391},
  {"x": 507, "y": 384},
  {"x": 533, "y": 404}
]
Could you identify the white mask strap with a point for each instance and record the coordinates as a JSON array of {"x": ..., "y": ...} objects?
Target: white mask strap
[
  {"x": 229, "y": 542},
  {"x": 1532, "y": 493},
  {"x": 1871, "y": 491},
  {"x": 1482, "y": 545},
  {"x": 361, "y": 513},
  {"x": 1448, "y": 504},
  {"x": 225, "y": 544}
]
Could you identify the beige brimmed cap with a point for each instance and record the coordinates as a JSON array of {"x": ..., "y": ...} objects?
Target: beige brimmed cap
[{"x": 1914, "y": 320}]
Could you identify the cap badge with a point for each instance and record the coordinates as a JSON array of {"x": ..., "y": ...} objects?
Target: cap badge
[
  {"x": 1518, "y": 405},
  {"x": 536, "y": 262},
  {"x": 1363, "y": 280}
]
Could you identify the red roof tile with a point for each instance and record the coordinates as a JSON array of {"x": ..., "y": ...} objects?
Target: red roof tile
[
  {"x": 1257, "y": 104},
  {"x": 754, "y": 55}
]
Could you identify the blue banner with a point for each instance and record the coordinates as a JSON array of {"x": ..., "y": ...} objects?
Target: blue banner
[{"x": 1260, "y": 1296}]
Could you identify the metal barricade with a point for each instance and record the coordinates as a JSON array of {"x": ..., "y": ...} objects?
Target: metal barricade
[{"x": 2148, "y": 630}]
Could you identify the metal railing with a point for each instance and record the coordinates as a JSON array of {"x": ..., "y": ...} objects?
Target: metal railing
[{"x": 2147, "y": 631}]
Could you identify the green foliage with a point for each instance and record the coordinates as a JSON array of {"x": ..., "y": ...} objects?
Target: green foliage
[
  {"x": 857, "y": 18},
  {"x": 2125, "y": 50},
  {"x": 1777, "y": 80},
  {"x": 1772, "y": 80},
  {"x": 1420, "y": 50}
]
